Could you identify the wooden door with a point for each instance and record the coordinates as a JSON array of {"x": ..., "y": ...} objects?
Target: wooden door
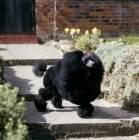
[{"x": 17, "y": 17}]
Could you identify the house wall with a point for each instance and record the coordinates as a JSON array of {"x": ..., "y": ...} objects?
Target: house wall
[{"x": 112, "y": 17}]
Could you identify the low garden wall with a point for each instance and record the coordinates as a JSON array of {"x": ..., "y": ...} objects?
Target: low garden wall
[{"x": 112, "y": 17}]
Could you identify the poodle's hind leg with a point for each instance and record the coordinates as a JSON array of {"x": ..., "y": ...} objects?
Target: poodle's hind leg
[
  {"x": 44, "y": 95},
  {"x": 86, "y": 110},
  {"x": 57, "y": 101}
]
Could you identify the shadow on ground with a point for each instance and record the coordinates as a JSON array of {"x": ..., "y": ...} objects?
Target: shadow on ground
[
  {"x": 12, "y": 77},
  {"x": 3, "y": 49}
]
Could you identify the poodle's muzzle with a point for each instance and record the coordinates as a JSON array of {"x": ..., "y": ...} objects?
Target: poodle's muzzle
[
  {"x": 86, "y": 60},
  {"x": 90, "y": 63}
]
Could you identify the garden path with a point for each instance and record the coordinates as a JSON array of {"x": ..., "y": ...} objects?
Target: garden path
[{"x": 108, "y": 120}]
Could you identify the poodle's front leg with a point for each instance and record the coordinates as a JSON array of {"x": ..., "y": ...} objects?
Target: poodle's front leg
[
  {"x": 85, "y": 110},
  {"x": 56, "y": 100},
  {"x": 44, "y": 95}
]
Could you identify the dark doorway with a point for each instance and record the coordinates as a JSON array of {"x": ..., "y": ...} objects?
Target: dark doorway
[{"x": 17, "y": 17}]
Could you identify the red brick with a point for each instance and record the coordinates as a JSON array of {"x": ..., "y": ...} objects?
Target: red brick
[
  {"x": 87, "y": 15},
  {"x": 18, "y": 39}
]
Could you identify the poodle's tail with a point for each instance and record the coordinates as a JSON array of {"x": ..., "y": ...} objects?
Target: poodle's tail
[{"x": 39, "y": 68}]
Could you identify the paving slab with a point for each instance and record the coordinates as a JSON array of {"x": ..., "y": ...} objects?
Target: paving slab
[
  {"x": 23, "y": 78},
  {"x": 108, "y": 138},
  {"x": 26, "y": 54},
  {"x": 107, "y": 120}
]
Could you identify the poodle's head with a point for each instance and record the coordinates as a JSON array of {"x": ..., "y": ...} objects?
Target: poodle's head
[{"x": 87, "y": 61}]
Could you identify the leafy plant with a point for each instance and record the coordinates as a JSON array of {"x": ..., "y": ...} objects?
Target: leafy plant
[
  {"x": 95, "y": 36},
  {"x": 83, "y": 42},
  {"x": 88, "y": 40},
  {"x": 121, "y": 73},
  {"x": 12, "y": 110}
]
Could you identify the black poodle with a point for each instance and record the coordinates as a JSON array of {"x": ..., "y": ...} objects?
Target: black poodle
[{"x": 77, "y": 78}]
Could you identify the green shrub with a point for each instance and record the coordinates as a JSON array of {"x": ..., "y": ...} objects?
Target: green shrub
[
  {"x": 12, "y": 125},
  {"x": 121, "y": 73},
  {"x": 107, "y": 53},
  {"x": 83, "y": 43},
  {"x": 88, "y": 41}
]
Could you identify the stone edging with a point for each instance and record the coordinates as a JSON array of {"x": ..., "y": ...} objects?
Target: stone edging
[{"x": 121, "y": 128}]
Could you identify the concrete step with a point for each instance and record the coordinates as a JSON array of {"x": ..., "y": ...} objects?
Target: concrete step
[
  {"x": 107, "y": 138},
  {"x": 108, "y": 120},
  {"x": 23, "y": 78},
  {"x": 26, "y": 54}
]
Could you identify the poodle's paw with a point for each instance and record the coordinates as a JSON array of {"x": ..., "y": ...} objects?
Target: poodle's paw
[
  {"x": 40, "y": 105},
  {"x": 57, "y": 102},
  {"x": 45, "y": 94},
  {"x": 84, "y": 111}
]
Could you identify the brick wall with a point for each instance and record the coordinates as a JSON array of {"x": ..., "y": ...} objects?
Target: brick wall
[{"x": 111, "y": 16}]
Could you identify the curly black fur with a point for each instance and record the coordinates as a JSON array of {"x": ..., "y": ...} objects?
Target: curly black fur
[
  {"x": 77, "y": 77},
  {"x": 85, "y": 110}
]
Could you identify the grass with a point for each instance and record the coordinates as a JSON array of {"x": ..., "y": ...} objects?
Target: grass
[{"x": 130, "y": 39}]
